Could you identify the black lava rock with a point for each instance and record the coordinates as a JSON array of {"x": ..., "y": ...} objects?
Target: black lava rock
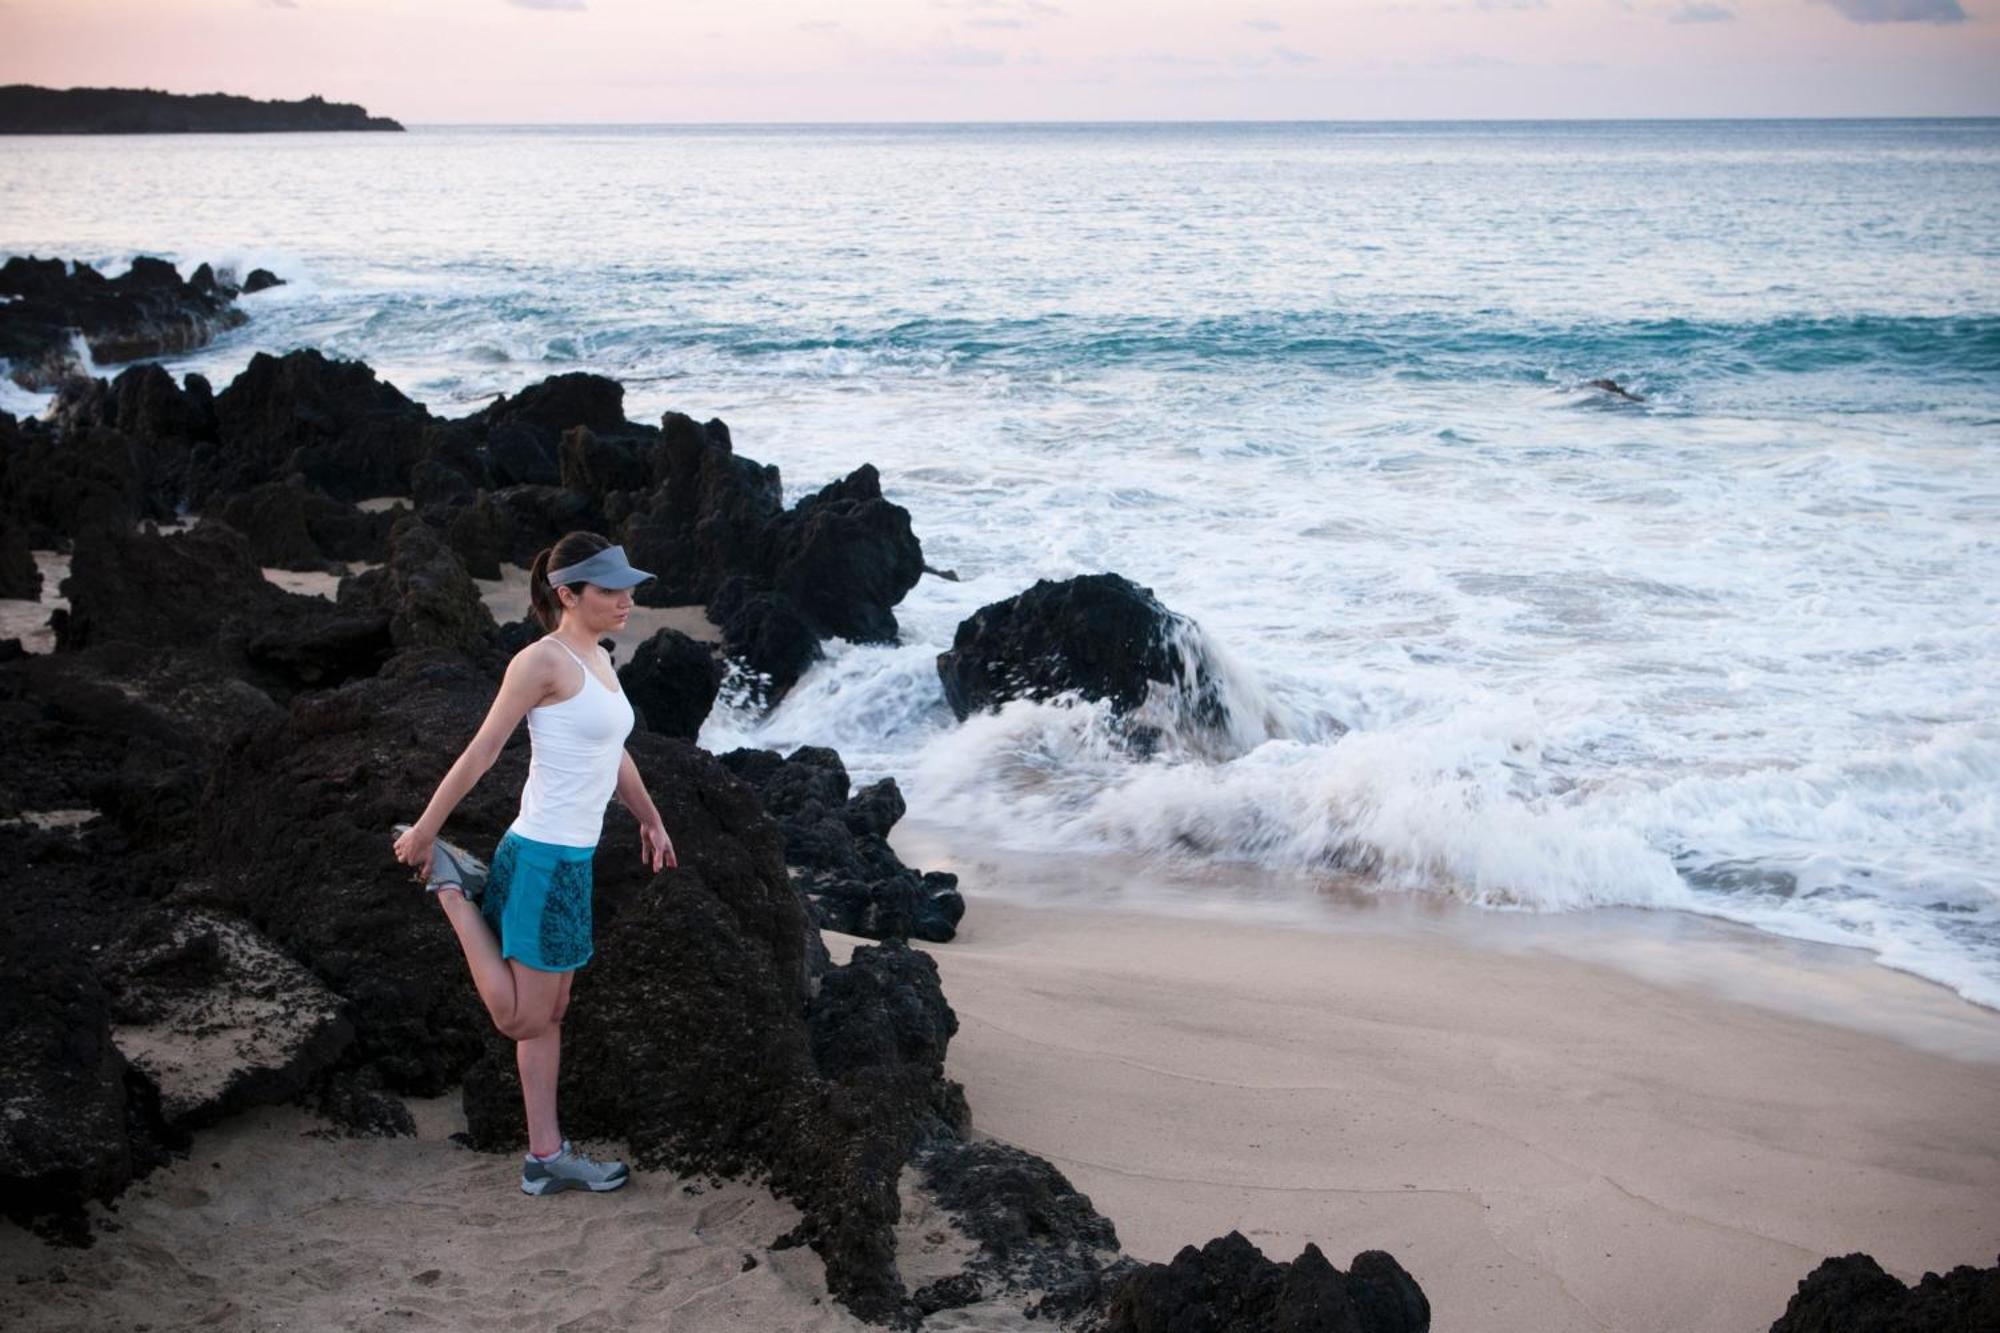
[
  {"x": 844, "y": 557},
  {"x": 837, "y": 848},
  {"x": 1228, "y": 1286},
  {"x": 1099, "y": 636},
  {"x": 1851, "y": 1294},
  {"x": 144, "y": 312},
  {"x": 348, "y": 434},
  {"x": 672, "y": 681},
  {"x": 290, "y": 527}
]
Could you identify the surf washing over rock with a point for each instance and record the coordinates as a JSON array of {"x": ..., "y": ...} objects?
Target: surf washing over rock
[{"x": 1497, "y": 633}]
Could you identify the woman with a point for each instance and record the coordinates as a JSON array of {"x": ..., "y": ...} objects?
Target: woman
[{"x": 531, "y": 928}]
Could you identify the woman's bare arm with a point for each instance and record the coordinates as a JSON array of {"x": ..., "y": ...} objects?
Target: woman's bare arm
[
  {"x": 656, "y": 849},
  {"x": 632, "y": 791},
  {"x": 529, "y": 679}
]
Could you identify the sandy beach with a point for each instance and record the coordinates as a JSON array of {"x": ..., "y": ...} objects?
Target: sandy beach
[{"x": 1546, "y": 1143}]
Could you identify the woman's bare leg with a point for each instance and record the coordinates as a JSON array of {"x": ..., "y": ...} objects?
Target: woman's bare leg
[
  {"x": 538, "y": 1053},
  {"x": 492, "y": 976}
]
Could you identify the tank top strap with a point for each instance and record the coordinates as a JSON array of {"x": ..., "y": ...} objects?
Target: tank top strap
[{"x": 571, "y": 651}]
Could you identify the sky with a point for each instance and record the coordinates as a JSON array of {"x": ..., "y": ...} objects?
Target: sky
[{"x": 639, "y": 61}]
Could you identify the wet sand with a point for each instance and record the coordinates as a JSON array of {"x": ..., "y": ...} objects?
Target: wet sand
[{"x": 1545, "y": 1142}]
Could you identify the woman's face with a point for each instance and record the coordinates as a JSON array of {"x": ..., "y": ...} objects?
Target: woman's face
[{"x": 601, "y": 610}]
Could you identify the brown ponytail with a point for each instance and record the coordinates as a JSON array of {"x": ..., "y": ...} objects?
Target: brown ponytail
[{"x": 573, "y": 549}]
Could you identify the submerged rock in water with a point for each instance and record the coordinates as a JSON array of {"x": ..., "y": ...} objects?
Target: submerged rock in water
[
  {"x": 1098, "y": 636},
  {"x": 837, "y": 847},
  {"x": 1851, "y": 1294},
  {"x": 1228, "y": 1286},
  {"x": 147, "y": 311}
]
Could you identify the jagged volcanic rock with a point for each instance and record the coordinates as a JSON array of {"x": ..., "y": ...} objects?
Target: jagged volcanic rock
[
  {"x": 837, "y": 847},
  {"x": 844, "y": 557},
  {"x": 147, "y": 311},
  {"x": 350, "y": 435},
  {"x": 1851, "y": 1294},
  {"x": 1098, "y": 635},
  {"x": 423, "y": 593},
  {"x": 706, "y": 516},
  {"x": 1035, "y": 1231},
  {"x": 764, "y": 633},
  {"x": 79, "y": 1122},
  {"x": 20, "y": 577},
  {"x": 290, "y": 527},
  {"x": 216, "y": 1017},
  {"x": 672, "y": 680},
  {"x": 54, "y": 487},
  {"x": 1228, "y": 1286}
]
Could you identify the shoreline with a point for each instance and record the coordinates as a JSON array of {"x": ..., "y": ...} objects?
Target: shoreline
[
  {"x": 1544, "y": 1142},
  {"x": 1840, "y": 986}
]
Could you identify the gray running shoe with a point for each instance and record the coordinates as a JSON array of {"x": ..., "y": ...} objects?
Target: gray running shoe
[
  {"x": 452, "y": 867},
  {"x": 571, "y": 1170}
]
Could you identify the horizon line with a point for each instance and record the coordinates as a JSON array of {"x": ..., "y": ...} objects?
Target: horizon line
[{"x": 1133, "y": 121}]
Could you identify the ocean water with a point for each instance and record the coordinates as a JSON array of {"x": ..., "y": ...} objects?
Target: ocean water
[{"x": 1487, "y": 632}]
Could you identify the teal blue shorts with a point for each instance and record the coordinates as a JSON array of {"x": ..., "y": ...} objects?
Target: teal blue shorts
[{"x": 537, "y": 900}]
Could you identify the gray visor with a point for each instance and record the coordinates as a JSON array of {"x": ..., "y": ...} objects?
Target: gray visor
[{"x": 607, "y": 569}]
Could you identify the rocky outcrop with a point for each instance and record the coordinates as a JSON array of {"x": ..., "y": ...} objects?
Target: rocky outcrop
[
  {"x": 228, "y": 902},
  {"x": 1851, "y": 1294},
  {"x": 79, "y": 1122},
  {"x": 424, "y": 594},
  {"x": 844, "y": 557},
  {"x": 191, "y": 589},
  {"x": 291, "y": 527},
  {"x": 764, "y": 634},
  {"x": 1098, "y": 636},
  {"x": 56, "y": 483},
  {"x": 20, "y": 576},
  {"x": 1228, "y": 1286},
  {"x": 672, "y": 681},
  {"x": 348, "y": 434},
  {"x": 1035, "y": 1232},
  {"x": 26, "y": 109},
  {"x": 837, "y": 847},
  {"x": 216, "y": 1018},
  {"x": 777, "y": 582},
  {"x": 705, "y": 517},
  {"x": 147, "y": 311}
]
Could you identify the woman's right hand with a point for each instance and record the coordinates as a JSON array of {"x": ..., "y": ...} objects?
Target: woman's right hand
[{"x": 413, "y": 848}]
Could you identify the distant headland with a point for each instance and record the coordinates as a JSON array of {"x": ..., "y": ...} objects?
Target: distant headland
[{"x": 26, "y": 109}]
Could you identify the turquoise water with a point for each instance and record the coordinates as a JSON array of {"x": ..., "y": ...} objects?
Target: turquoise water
[{"x": 1492, "y": 633}]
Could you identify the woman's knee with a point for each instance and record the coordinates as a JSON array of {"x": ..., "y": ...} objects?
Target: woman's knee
[{"x": 521, "y": 1026}]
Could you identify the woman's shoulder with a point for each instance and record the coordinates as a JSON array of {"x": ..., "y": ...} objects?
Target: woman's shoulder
[{"x": 539, "y": 658}]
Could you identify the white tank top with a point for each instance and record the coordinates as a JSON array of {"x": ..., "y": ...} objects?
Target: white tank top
[{"x": 574, "y": 749}]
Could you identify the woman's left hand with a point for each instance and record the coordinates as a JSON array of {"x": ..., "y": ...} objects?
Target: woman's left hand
[{"x": 656, "y": 849}]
